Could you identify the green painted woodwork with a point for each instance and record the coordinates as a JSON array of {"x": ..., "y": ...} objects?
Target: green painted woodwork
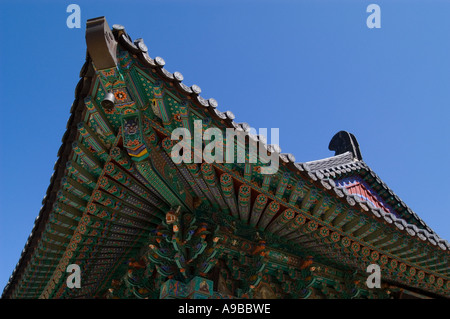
[{"x": 143, "y": 227}]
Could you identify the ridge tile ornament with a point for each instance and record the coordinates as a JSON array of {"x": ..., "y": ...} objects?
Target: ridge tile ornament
[{"x": 141, "y": 225}]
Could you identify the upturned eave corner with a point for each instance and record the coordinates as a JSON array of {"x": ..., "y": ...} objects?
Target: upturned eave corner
[{"x": 101, "y": 44}]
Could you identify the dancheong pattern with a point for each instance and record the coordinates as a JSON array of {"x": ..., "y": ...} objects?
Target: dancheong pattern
[{"x": 140, "y": 225}]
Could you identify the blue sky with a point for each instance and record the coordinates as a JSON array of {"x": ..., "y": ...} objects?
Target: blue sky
[{"x": 309, "y": 68}]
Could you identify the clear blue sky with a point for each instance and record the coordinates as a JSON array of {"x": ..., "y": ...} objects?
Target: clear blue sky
[{"x": 310, "y": 68}]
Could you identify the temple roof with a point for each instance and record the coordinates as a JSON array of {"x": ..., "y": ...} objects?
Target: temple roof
[
  {"x": 332, "y": 163},
  {"x": 348, "y": 156},
  {"x": 346, "y": 164},
  {"x": 323, "y": 173}
]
